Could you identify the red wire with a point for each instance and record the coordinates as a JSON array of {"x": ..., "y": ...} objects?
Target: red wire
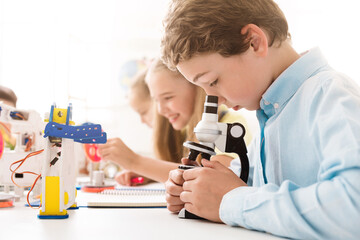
[
  {"x": 22, "y": 162},
  {"x": 32, "y": 187},
  {"x": 37, "y": 178},
  {"x": 28, "y": 144},
  {"x": 20, "y": 116}
]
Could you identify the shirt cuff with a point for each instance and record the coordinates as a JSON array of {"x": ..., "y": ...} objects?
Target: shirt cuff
[
  {"x": 231, "y": 210},
  {"x": 235, "y": 166}
]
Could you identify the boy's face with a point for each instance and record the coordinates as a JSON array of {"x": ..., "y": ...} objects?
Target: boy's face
[{"x": 239, "y": 80}]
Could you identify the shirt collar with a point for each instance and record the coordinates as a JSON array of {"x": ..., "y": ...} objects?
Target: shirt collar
[{"x": 289, "y": 81}]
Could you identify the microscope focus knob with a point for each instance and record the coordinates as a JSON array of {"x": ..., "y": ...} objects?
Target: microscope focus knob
[{"x": 236, "y": 131}]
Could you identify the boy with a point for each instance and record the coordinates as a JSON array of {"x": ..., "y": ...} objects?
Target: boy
[{"x": 306, "y": 159}]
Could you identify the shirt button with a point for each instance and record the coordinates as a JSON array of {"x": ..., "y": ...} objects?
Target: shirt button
[
  {"x": 276, "y": 105},
  {"x": 266, "y": 102}
]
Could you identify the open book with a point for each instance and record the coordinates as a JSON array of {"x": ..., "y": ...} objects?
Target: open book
[{"x": 146, "y": 196}]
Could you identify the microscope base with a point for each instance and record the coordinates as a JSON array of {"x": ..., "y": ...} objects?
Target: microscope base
[{"x": 188, "y": 215}]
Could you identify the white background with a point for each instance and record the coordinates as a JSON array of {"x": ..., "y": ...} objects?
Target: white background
[{"x": 73, "y": 50}]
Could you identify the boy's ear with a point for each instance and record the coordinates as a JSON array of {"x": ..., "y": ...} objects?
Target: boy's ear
[{"x": 257, "y": 39}]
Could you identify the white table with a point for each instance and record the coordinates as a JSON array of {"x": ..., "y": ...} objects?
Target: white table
[{"x": 20, "y": 222}]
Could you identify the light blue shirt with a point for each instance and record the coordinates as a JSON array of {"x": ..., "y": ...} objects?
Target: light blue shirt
[{"x": 306, "y": 174}]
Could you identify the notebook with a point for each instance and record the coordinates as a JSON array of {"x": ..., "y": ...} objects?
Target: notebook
[{"x": 124, "y": 197}]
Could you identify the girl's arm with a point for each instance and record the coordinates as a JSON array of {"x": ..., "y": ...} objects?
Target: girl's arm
[{"x": 115, "y": 150}]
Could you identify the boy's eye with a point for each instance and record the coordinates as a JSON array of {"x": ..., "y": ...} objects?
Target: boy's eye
[
  {"x": 214, "y": 83},
  {"x": 168, "y": 98}
]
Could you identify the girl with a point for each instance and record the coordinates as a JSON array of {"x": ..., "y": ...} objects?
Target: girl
[
  {"x": 167, "y": 141},
  {"x": 140, "y": 99},
  {"x": 179, "y": 103}
]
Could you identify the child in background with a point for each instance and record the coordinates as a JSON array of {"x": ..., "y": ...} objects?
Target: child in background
[
  {"x": 305, "y": 182},
  {"x": 179, "y": 103},
  {"x": 8, "y": 96},
  {"x": 167, "y": 141},
  {"x": 140, "y": 99}
]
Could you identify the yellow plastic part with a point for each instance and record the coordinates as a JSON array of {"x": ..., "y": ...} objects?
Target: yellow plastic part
[
  {"x": 59, "y": 116},
  {"x": 52, "y": 197},
  {"x": 75, "y": 204},
  {"x": 66, "y": 198}
]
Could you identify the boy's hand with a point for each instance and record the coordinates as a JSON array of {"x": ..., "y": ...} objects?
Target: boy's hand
[
  {"x": 173, "y": 187},
  {"x": 205, "y": 187}
]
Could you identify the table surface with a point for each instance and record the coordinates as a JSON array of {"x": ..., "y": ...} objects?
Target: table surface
[{"x": 20, "y": 222}]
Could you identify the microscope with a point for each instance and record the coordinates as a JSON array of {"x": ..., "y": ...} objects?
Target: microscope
[{"x": 227, "y": 137}]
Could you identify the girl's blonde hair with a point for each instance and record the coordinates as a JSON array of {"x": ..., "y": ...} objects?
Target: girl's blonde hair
[
  {"x": 214, "y": 26},
  {"x": 168, "y": 142},
  {"x": 138, "y": 84}
]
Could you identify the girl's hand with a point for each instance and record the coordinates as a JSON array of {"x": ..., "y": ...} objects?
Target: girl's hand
[
  {"x": 115, "y": 150},
  {"x": 124, "y": 178}
]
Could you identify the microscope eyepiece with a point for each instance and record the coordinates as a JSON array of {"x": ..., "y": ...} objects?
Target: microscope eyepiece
[
  {"x": 209, "y": 109},
  {"x": 211, "y": 104},
  {"x": 211, "y": 99}
]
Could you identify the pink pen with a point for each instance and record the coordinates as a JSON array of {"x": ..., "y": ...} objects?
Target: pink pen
[{"x": 137, "y": 180}]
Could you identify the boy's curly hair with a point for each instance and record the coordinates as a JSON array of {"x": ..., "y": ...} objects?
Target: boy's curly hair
[{"x": 206, "y": 26}]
